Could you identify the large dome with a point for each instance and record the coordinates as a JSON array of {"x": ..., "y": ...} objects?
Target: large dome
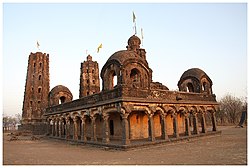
[{"x": 122, "y": 56}]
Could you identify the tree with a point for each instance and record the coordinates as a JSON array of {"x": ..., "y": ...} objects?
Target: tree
[
  {"x": 230, "y": 109},
  {"x": 10, "y": 122}
]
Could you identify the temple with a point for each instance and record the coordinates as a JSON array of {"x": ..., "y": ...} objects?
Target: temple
[{"x": 130, "y": 109}]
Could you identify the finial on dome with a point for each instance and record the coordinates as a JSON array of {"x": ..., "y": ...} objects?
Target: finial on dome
[{"x": 134, "y": 43}]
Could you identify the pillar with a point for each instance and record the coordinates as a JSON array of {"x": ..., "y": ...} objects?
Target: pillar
[
  {"x": 53, "y": 127},
  {"x": 187, "y": 125},
  {"x": 83, "y": 133},
  {"x": 67, "y": 128},
  {"x": 203, "y": 123},
  {"x": 214, "y": 121},
  {"x": 60, "y": 127},
  {"x": 93, "y": 125},
  {"x": 151, "y": 127},
  {"x": 164, "y": 134},
  {"x": 175, "y": 125},
  {"x": 75, "y": 130},
  {"x": 105, "y": 138},
  {"x": 195, "y": 125},
  {"x": 125, "y": 130}
]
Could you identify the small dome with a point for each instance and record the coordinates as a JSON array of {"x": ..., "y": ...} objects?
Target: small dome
[
  {"x": 60, "y": 88},
  {"x": 59, "y": 94},
  {"x": 194, "y": 73}
]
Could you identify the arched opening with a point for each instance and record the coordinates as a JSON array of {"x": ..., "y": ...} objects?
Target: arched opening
[
  {"x": 62, "y": 99},
  {"x": 111, "y": 127},
  {"x": 169, "y": 123},
  {"x": 114, "y": 80},
  {"x": 157, "y": 124},
  {"x": 135, "y": 75},
  {"x": 190, "y": 87},
  {"x": 181, "y": 123},
  {"x": 138, "y": 122},
  {"x": 88, "y": 127},
  {"x": 204, "y": 87},
  {"x": 98, "y": 126},
  {"x": 115, "y": 126}
]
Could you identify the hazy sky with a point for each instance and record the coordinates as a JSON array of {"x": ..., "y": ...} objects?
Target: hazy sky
[{"x": 177, "y": 37}]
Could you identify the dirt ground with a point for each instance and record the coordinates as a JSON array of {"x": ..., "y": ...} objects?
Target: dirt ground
[{"x": 229, "y": 148}]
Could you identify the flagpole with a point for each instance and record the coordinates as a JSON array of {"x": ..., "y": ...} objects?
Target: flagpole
[{"x": 141, "y": 37}]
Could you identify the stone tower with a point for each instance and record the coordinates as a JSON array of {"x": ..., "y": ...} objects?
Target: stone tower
[
  {"x": 37, "y": 89},
  {"x": 89, "y": 78}
]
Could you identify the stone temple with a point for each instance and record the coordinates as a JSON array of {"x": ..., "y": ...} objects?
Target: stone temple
[{"x": 129, "y": 110}]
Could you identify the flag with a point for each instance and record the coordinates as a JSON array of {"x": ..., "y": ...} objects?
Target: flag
[
  {"x": 100, "y": 46},
  {"x": 37, "y": 44},
  {"x": 134, "y": 17}
]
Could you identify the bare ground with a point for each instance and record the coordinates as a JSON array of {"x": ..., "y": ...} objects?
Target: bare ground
[{"x": 229, "y": 148}]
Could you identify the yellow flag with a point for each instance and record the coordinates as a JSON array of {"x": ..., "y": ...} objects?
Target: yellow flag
[
  {"x": 134, "y": 17},
  {"x": 100, "y": 46}
]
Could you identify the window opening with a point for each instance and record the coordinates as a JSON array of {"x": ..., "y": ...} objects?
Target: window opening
[
  {"x": 190, "y": 87},
  {"x": 62, "y": 99}
]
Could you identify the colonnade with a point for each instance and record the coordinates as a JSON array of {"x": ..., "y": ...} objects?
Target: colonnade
[{"x": 82, "y": 126}]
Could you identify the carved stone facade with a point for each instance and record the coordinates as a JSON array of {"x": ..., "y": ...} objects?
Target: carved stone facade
[{"x": 132, "y": 108}]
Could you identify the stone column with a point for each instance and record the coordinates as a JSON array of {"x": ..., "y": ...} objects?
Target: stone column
[
  {"x": 60, "y": 127},
  {"x": 214, "y": 121},
  {"x": 83, "y": 133},
  {"x": 93, "y": 125},
  {"x": 48, "y": 127},
  {"x": 203, "y": 123},
  {"x": 151, "y": 129},
  {"x": 125, "y": 130},
  {"x": 187, "y": 125},
  {"x": 105, "y": 138},
  {"x": 175, "y": 125},
  {"x": 53, "y": 127},
  {"x": 75, "y": 133},
  {"x": 164, "y": 134},
  {"x": 67, "y": 128},
  {"x": 195, "y": 125}
]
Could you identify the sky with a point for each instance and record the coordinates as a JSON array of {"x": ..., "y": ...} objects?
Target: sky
[{"x": 176, "y": 37}]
